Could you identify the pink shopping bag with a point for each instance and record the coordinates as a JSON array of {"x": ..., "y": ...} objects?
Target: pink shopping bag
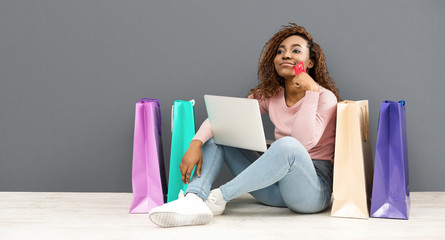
[{"x": 148, "y": 176}]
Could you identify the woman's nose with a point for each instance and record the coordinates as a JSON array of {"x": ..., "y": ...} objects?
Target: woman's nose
[{"x": 286, "y": 55}]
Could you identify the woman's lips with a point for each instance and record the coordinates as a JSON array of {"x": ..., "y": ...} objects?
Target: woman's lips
[{"x": 286, "y": 64}]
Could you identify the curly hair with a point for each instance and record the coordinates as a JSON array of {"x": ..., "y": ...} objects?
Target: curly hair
[{"x": 270, "y": 82}]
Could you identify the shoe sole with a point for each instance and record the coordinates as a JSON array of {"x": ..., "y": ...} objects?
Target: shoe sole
[
  {"x": 217, "y": 213},
  {"x": 169, "y": 219},
  {"x": 219, "y": 210}
]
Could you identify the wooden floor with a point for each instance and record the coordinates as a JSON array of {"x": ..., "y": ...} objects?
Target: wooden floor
[{"x": 30, "y": 215}]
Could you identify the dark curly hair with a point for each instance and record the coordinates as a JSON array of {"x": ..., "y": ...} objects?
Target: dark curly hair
[{"x": 269, "y": 80}]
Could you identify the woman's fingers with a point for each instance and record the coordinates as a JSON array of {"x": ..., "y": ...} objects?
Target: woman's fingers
[
  {"x": 305, "y": 81},
  {"x": 186, "y": 173},
  {"x": 198, "y": 168},
  {"x": 187, "y": 177},
  {"x": 183, "y": 171}
]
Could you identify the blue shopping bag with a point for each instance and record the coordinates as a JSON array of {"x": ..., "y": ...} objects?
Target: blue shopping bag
[{"x": 390, "y": 192}]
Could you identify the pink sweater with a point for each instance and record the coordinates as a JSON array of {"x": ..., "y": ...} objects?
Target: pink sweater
[{"x": 311, "y": 121}]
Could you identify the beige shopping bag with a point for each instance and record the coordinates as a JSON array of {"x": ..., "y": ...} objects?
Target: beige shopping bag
[{"x": 353, "y": 166}]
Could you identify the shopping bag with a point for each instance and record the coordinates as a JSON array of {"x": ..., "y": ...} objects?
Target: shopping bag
[
  {"x": 148, "y": 173},
  {"x": 183, "y": 130},
  {"x": 390, "y": 191},
  {"x": 353, "y": 167}
]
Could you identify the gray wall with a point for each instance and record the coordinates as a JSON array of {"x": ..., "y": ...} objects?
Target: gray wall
[{"x": 71, "y": 72}]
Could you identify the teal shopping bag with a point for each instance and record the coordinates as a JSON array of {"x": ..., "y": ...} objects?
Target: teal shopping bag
[{"x": 183, "y": 130}]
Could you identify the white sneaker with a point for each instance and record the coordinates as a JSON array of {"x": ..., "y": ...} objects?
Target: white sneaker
[
  {"x": 181, "y": 194},
  {"x": 190, "y": 210},
  {"x": 215, "y": 202}
]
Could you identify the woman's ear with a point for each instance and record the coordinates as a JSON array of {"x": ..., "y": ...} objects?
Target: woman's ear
[{"x": 311, "y": 64}]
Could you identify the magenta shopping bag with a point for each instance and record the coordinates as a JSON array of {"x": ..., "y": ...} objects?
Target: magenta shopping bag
[
  {"x": 149, "y": 182},
  {"x": 390, "y": 192}
]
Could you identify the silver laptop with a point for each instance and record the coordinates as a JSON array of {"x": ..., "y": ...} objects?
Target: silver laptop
[{"x": 236, "y": 122}]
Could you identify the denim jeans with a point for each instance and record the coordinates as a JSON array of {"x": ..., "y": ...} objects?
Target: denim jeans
[{"x": 284, "y": 176}]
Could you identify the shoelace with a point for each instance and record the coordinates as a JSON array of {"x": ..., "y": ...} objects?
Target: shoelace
[{"x": 211, "y": 198}]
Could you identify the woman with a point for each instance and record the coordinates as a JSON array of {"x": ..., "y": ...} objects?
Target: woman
[{"x": 296, "y": 171}]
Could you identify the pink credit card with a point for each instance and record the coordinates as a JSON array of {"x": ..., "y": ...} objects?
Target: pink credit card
[{"x": 299, "y": 68}]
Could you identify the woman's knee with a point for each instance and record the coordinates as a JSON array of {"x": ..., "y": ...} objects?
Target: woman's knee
[
  {"x": 290, "y": 146},
  {"x": 209, "y": 144},
  {"x": 211, "y": 141},
  {"x": 211, "y": 150}
]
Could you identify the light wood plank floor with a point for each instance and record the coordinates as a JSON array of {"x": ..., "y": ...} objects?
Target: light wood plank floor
[{"x": 31, "y": 215}]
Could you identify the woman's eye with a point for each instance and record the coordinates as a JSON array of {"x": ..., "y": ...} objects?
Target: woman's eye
[
  {"x": 280, "y": 51},
  {"x": 295, "y": 51}
]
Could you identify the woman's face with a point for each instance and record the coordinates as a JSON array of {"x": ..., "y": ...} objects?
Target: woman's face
[{"x": 292, "y": 51}]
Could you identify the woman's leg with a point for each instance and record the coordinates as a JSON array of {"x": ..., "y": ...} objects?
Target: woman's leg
[
  {"x": 238, "y": 160},
  {"x": 213, "y": 158},
  {"x": 192, "y": 210},
  {"x": 288, "y": 163}
]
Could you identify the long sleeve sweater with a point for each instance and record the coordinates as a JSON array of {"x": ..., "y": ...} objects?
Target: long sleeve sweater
[{"x": 311, "y": 121}]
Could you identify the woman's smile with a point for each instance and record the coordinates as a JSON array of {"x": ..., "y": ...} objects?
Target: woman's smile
[{"x": 287, "y": 64}]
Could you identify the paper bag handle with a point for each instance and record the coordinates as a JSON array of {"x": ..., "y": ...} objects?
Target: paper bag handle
[
  {"x": 158, "y": 111},
  {"x": 150, "y": 100},
  {"x": 364, "y": 117}
]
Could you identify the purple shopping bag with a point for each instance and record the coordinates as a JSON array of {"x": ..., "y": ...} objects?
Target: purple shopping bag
[
  {"x": 148, "y": 176},
  {"x": 390, "y": 192}
]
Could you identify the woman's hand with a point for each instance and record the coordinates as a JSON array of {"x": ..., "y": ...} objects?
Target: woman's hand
[
  {"x": 192, "y": 157},
  {"x": 305, "y": 82}
]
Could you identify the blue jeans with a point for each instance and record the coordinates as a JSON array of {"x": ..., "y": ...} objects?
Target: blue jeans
[{"x": 284, "y": 176}]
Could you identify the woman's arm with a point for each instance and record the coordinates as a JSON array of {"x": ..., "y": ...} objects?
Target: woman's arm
[
  {"x": 263, "y": 102},
  {"x": 193, "y": 156},
  {"x": 204, "y": 132},
  {"x": 316, "y": 112}
]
